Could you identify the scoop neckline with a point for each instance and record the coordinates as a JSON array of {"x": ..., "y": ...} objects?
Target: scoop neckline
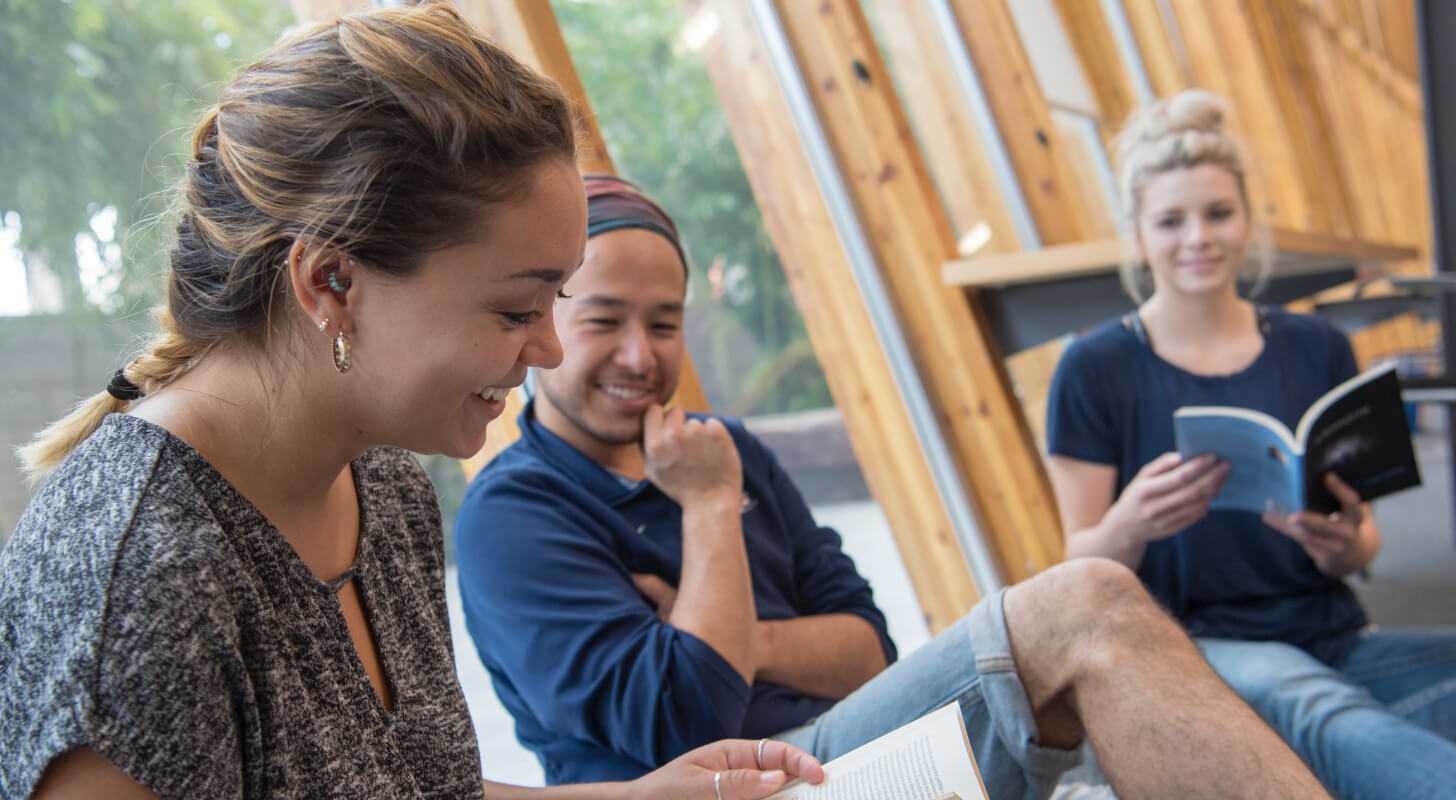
[
  {"x": 1146, "y": 344},
  {"x": 256, "y": 516}
]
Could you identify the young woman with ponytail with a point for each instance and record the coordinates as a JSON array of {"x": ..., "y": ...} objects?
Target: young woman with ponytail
[
  {"x": 230, "y": 582},
  {"x": 1372, "y": 712}
]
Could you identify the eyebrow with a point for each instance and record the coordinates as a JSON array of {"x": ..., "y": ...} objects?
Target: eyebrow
[
  {"x": 544, "y": 275},
  {"x": 607, "y": 301}
]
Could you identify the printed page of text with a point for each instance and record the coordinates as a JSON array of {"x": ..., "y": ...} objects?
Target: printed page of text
[{"x": 925, "y": 760}]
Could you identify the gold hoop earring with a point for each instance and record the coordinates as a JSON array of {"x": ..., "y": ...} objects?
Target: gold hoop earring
[{"x": 343, "y": 360}]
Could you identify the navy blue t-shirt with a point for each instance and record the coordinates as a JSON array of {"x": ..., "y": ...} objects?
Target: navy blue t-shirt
[
  {"x": 600, "y": 688},
  {"x": 1228, "y": 576}
]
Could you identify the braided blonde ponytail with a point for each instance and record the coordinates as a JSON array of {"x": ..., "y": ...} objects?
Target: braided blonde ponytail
[{"x": 168, "y": 355}]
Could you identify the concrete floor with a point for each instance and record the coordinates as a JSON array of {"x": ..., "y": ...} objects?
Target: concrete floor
[{"x": 1412, "y": 582}]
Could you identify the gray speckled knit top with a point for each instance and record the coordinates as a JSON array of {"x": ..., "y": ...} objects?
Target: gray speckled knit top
[{"x": 150, "y": 612}]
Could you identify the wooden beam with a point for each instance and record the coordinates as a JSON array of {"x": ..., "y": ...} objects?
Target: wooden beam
[
  {"x": 1403, "y": 81},
  {"x": 1161, "y": 52},
  {"x": 839, "y": 326},
  {"x": 1224, "y": 59},
  {"x": 1293, "y": 85},
  {"x": 1022, "y": 116},
  {"x": 1398, "y": 27},
  {"x": 1377, "y": 118},
  {"x": 1096, "y": 47},
  {"x": 943, "y": 125},
  {"x": 1337, "y": 81},
  {"x": 910, "y": 237}
]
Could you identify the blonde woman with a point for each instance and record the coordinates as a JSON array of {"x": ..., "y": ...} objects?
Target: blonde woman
[
  {"x": 1373, "y": 713},
  {"x": 232, "y": 582}
]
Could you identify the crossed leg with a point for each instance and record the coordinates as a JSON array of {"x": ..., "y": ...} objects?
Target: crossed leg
[{"x": 1099, "y": 658}]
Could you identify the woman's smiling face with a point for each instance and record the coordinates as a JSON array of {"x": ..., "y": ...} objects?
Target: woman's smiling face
[
  {"x": 1194, "y": 230},
  {"x": 437, "y": 350}
]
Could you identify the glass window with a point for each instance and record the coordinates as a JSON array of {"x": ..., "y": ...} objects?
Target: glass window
[
  {"x": 666, "y": 131},
  {"x": 1052, "y": 57},
  {"x": 100, "y": 100}
]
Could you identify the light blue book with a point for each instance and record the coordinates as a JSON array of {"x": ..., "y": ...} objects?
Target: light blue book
[{"x": 1357, "y": 430}]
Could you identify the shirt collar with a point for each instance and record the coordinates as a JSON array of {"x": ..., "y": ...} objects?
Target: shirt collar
[{"x": 607, "y": 486}]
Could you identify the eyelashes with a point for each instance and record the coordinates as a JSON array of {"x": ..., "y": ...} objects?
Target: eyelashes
[{"x": 522, "y": 318}]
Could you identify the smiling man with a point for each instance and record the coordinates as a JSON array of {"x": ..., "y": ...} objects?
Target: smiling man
[{"x": 639, "y": 581}]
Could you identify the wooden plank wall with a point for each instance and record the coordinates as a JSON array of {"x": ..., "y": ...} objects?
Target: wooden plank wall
[
  {"x": 1096, "y": 48},
  {"x": 1163, "y": 56},
  {"x": 1283, "y": 104},
  {"x": 911, "y": 235},
  {"x": 1328, "y": 96},
  {"x": 1048, "y": 179},
  {"x": 1377, "y": 122},
  {"x": 1325, "y": 95},
  {"x": 1058, "y": 183},
  {"x": 820, "y": 277},
  {"x": 944, "y": 129}
]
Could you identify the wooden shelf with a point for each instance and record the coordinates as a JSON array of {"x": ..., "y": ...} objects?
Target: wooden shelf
[
  {"x": 1296, "y": 253},
  {"x": 1035, "y": 296}
]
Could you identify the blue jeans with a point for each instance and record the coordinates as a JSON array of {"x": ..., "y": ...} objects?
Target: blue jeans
[
  {"x": 1379, "y": 724},
  {"x": 969, "y": 664}
]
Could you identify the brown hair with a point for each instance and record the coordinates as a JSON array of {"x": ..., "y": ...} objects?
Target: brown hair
[
  {"x": 1180, "y": 132},
  {"x": 382, "y": 134}
]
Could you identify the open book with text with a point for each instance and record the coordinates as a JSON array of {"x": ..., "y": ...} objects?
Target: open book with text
[
  {"x": 928, "y": 759},
  {"x": 1358, "y": 430}
]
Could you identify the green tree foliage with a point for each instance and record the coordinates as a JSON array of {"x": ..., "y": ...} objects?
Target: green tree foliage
[
  {"x": 100, "y": 97},
  {"x": 663, "y": 123}
]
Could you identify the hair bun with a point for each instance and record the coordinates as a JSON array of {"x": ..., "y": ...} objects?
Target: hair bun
[
  {"x": 1196, "y": 117},
  {"x": 1192, "y": 110}
]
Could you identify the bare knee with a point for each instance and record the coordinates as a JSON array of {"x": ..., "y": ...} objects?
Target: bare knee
[
  {"x": 1083, "y": 613},
  {"x": 1083, "y": 619},
  {"x": 1080, "y": 594}
]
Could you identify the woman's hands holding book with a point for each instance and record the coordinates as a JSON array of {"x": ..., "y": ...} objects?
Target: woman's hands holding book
[
  {"x": 1338, "y": 543},
  {"x": 1167, "y": 495}
]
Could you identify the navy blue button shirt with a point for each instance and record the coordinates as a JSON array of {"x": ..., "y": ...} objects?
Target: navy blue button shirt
[
  {"x": 600, "y": 688},
  {"x": 1230, "y": 575}
]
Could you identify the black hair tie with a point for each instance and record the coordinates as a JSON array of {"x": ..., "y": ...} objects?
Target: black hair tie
[{"x": 122, "y": 388}]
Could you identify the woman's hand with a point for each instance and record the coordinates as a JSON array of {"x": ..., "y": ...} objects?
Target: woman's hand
[
  {"x": 747, "y": 770},
  {"x": 1336, "y": 542},
  {"x": 1166, "y": 496}
]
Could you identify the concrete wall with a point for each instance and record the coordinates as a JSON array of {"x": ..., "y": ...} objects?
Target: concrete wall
[{"x": 47, "y": 363}]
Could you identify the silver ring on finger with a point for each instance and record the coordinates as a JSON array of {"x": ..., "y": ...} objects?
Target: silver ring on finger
[
  {"x": 758, "y": 754},
  {"x": 718, "y": 785}
]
